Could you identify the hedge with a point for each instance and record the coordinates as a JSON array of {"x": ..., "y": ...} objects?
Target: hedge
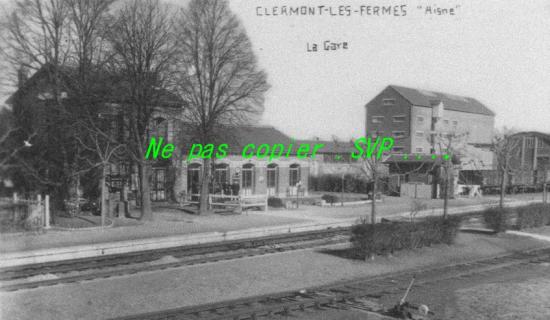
[
  {"x": 329, "y": 198},
  {"x": 535, "y": 215},
  {"x": 383, "y": 238},
  {"x": 333, "y": 183},
  {"x": 275, "y": 202},
  {"x": 530, "y": 216},
  {"x": 496, "y": 218}
]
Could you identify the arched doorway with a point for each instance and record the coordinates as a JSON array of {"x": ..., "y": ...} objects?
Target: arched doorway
[
  {"x": 194, "y": 180},
  {"x": 294, "y": 176},
  {"x": 272, "y": 179},
  {"x": 247, "y": 179}
]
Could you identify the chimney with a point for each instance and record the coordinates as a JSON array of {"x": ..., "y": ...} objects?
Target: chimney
[{"x": 22, "y": 76}]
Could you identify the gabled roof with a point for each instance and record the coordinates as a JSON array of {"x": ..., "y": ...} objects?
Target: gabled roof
[{"x": 425, "y": 98}]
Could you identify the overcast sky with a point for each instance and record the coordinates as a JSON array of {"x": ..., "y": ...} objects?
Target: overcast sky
[{"x": 495, "y": 51}]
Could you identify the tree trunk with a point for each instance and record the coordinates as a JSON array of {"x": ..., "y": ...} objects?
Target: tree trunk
[
  {"x": 446, "y": 194},
  {"x": 104, "y": 205},
  {"x": 502, "y": 188},
  {"x": 373, "y": 203},
  {"x": 203, "y": 205},
  {"x": 146, "y": 212}
]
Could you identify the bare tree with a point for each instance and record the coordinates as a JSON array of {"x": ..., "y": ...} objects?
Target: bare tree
[
  {"x": 505, "y": 148},
  {"x": 219, "y": 76},
  {"x": 104, "y": 150},
  {"x": 36, "y": 37},
  {"x": 452, "y": 146},
  {"x": 371, "y": 157},
  {"x": 144, "y": 48}
]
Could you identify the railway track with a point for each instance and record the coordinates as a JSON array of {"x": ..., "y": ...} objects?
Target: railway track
[
  {"x": 85, "y": 269},
  {"x": 67, "y": 271},
  {"x": 356, "y": 294}
]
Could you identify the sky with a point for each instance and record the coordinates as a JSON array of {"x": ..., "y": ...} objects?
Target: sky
[{"x": 495, "y": 51}]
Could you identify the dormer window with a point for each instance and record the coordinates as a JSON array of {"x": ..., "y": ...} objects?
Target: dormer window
[{"x": 388, "y": 102}]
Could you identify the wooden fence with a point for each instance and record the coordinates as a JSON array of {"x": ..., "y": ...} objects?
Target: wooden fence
[{"x": 231, "y": 201}]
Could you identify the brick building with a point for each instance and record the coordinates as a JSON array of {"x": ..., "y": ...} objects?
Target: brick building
[
  {"x": 34, "y": 100},
  {"x": 414, "y": 117},
  {"x": 278, "y": 177}
]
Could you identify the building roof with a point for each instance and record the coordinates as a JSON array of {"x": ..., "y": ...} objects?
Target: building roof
[
  {"x": 331, "y": 147},
  {"x": 110, "y": 87},
  {"x": 237, "y": 137},
  {"x": 425, "y": 98},
  {"x": 542, "y": 135}
]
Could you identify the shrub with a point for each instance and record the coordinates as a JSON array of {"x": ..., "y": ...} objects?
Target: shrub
[
  {"x": 496, "y": 218},
  {"x": 383, "y": 238},
  {"x": 532, "y": 216},
  {"x": 329, "y": 198},
  {"x": 275, "y": 202}
]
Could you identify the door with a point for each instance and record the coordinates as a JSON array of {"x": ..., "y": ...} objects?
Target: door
[
  {"x": 247, "y": 180},
  {"x": 272, "y": 179}
]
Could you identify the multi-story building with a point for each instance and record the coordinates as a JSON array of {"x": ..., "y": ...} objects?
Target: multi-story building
[
  {"x": 34, "y": 103},
  {"x": 415, "y": 118}
]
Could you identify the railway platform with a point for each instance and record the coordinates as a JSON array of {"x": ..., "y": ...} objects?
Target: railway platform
[{"x": 173, "y": 229}]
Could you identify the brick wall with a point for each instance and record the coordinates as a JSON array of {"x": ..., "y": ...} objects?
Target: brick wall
[{"x": 401, "y": 107}]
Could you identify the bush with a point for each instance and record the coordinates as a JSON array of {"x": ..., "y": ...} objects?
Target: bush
[
  {"x": 496, "y": 218},
  {"x": 329, "y": 198},
  {"x": 384, "y": 238},
  {"x": 532, "y": 216},
  {"x": 275, "y": 202}
]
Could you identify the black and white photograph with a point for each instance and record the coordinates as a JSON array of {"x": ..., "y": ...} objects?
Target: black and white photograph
[{"x": 274, "y": 159}]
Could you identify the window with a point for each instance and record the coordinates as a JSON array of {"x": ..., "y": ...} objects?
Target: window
[
  {"x": 446, "y": 122},
  {"x": 398, "y": 134},
  {"x": 377, "y": 133},
  {"x": 419, "y": 150},
  {"x": 158, "y": 190},
  {"x": 539, "y": 143},
  {"x": 388, "y": 102},
  {"x": 377, "y": 119},
  {"x": 294, "y": 174},
  {"x": 530, "y": 142},
  {"x": 420, "y": 134},
  {"x": 221, "y": 176},
  {"x": 398, "y": 118},
  {"x": 420, "y": 119},
  {"x": 397, "y": 149},
  {"x": 161, "y": 128},
  {"x": 455, "y": 123}
]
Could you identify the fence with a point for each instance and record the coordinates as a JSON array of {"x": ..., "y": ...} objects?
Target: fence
[
  {"x": 34, "y": 214},
  {"x": 416, "y": 190},
  {"x": 222, "y": 200}
]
